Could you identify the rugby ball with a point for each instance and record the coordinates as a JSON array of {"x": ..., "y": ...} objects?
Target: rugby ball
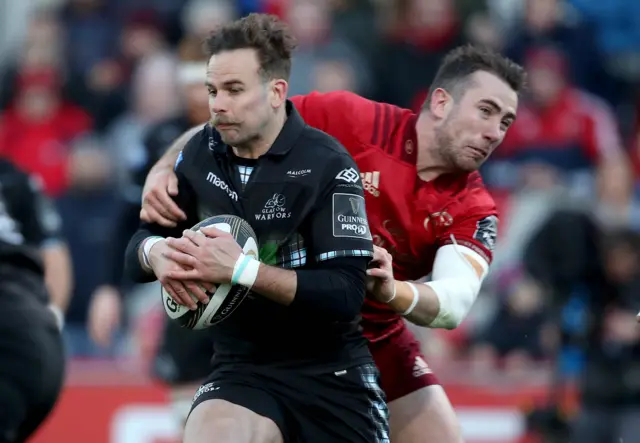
[{"x": 227, "y": 297}]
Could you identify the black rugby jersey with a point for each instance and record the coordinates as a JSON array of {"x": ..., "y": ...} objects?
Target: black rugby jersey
[
  {"x": 28, "y": 221},
  {"x": 305, "y": 202}
]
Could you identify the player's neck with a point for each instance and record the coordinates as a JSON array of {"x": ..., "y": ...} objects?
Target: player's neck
[
  {"x": 428, "y": 163},
  {"x": 260, "y": 145}
]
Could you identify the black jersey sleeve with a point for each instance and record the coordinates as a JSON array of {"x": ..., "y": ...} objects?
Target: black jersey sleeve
[
  {"x": 340, "y": 245},
  {"x": 339, "y": 226},
  {"x": 45, "y": 225},
  {"x": 38, "y": 217},
  {"x": 186, "y": 200}
]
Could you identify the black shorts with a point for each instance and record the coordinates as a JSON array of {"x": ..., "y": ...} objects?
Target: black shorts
[
  {"x": 32, "y": 364},
  {"x": 322, "y": 407},
  {"x": 184, "y": 355}
]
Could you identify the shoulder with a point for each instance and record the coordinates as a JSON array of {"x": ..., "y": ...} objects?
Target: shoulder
[
  {"x": 469, "y": 197},
  {"x": 199, "y": 142},
  {"x": 322, "y": 148},
  {"x": 317, "y": 102},
  {"x": 345, "y": 115}
]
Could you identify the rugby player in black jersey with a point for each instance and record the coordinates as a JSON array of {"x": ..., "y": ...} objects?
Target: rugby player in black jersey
[
  {"x": 31, "y": 350},
  {"x": 290, "y": 364}
]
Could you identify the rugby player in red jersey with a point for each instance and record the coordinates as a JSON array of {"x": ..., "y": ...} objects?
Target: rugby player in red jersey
[{"x": 428, "y": 211}]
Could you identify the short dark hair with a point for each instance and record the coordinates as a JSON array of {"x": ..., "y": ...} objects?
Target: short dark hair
[
  {"x": 265, "y": 33},
  {"x": 460, "y": 63}
]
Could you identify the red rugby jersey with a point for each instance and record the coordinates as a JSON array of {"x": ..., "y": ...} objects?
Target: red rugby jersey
[{"x": 407, "y": 216}]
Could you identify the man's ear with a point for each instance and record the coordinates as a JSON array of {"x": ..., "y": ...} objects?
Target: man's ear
[{"x": 440, "y": 103}]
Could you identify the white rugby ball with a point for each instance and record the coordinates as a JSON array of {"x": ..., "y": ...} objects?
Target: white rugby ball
[{"x": 227, "y": 297}]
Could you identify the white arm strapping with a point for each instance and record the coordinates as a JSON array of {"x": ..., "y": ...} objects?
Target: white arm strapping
[{"x": 456, "y": 283}]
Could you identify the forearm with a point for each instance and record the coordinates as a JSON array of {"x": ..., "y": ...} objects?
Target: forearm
[
  {"x": 168, "y": 159},
  {"x": 276, "y": 284},
  {"x": 426, "y": 308},
  {"x": 58, "y": 275},
  {"x": 445, "y": 301},
  {"x": 440, "y": 303},
  {"x": 333, "y": 292}
]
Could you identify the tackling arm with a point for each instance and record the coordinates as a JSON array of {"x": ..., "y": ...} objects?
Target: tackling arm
[
  {"x": 168, "y": 159},
  {"x": 445, "y": 301}
]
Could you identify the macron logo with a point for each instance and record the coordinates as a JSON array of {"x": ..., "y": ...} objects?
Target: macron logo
[{"x": 215, "y": 181}]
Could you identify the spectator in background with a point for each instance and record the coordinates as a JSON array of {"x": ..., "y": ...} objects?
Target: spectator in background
[
  {"x": 200, "y": 17},
  {"x": 38, "y": 127},
  {"x": 617, "y": 32},
  {"x": 319, "y": 47},
  {"x": 153, "y": 98},
  {"x": 635, "y": 150},
  {"x": 96, "y": 81},
  {"x": 419, "y": 33},
  {"x": 107, "y": 83},
  {"x": 106, "y": 306},
  {"x": 43, "y": 48},
  {"x": 91, "y": 34},
  {"x": 615, "y": 206},
  {"x": 553, "y": 23},
  {"x": 561, "y": 131},
  {"x": 89, "y": 209},
  {"x": 517, "y": 335},
  {"x": 593, "y": 280}
]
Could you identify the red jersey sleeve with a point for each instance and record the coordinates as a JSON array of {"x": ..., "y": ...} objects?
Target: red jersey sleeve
[
  {"x": 474, "y": 222},
  {"x": 341, "y": 114}
]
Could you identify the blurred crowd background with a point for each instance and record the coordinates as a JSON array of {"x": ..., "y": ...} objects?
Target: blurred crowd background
[{"x": 94, "y": 90}]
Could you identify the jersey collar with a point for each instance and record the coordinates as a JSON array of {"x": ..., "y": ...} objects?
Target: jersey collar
[{"x": 290, "y": 132}]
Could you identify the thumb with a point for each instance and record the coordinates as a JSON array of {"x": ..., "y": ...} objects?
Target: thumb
[{"x": 172, "y": 185}]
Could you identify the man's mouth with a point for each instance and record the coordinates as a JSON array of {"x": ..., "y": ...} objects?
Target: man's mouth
[{"x": 479, "y": 151}]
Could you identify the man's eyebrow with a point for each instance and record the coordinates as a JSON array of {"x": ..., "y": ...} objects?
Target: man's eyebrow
[
  {"x": 228, "y": 83},
  {"x": 497, "y": 108}
]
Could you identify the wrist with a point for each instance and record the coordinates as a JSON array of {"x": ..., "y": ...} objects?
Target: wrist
[
  {"x": 149, "y": 250},
  {"x": 245, "y": 271},
  {"x": 403, "y": 298}
]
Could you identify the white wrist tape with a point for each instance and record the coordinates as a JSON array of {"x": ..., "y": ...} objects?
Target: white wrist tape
[
  {"x": 146, "y": 248},
  {"x": 245, "y": 271},
  {"x": 58, "y": 314},
  {"x": 414, "y": 301},
  {"x": 395, "y": 291}
]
